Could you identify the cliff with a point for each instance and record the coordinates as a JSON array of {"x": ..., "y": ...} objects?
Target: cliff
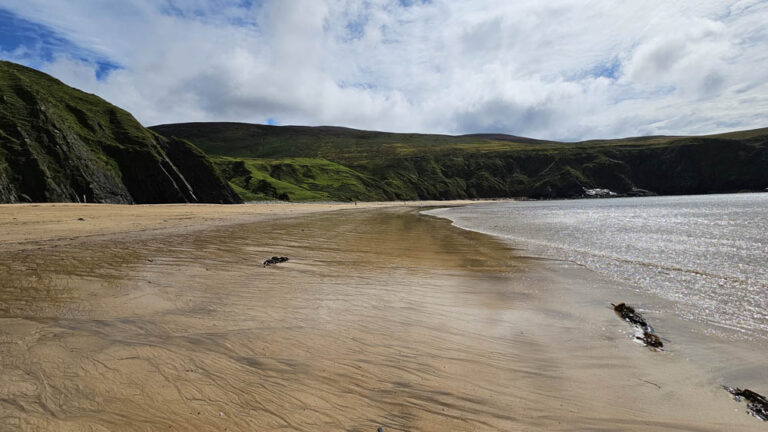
[
  {"x": 59, "y": 144},
  {"x": 301, "y": 163}
]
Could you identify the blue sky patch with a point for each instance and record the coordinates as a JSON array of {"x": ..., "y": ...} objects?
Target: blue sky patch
[
  {"x": 103, "y": 68},
  {"x": 359, "y": 85},
  {"x": 212, "y": 11},
  {"x": 409, "y": 3},
  {"x": 35, "y": 44},
  {"x": 610, "y": 69},
  {"x": 356, "y": 27}
]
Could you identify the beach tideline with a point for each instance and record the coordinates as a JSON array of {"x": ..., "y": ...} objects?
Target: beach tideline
[
  {"x": 163, "y": 318},
  {"x": 42, "y": 224}
]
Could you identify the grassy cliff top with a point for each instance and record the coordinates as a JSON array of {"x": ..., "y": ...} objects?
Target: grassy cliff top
[
  {"x": 357, "y": 146},
  {"x": 87, "y": 114},
  {"x": 333, "y": 143},
  {"x": 58, "y": 143},
  {"x": 300, "y": 163}
]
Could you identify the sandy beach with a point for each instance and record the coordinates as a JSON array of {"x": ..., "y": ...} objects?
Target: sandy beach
[
  {"x": 163, "y": 318},
  {"x": 42, "y": 225}
]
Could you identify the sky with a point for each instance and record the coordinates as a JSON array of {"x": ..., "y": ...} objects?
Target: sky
[{"x": 556, "y": 69}]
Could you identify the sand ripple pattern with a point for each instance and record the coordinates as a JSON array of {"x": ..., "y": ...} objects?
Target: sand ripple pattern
[{"x": 380, "y": 319}]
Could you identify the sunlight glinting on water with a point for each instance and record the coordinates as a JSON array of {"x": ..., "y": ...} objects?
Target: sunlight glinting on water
[{"x": 708, "y": 254}]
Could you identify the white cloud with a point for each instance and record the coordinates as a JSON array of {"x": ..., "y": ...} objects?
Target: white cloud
[{"x": 558, "y": 69}]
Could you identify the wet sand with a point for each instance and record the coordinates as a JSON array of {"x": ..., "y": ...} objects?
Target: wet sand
[
  {"x": 382, "y": 318},
  {"x": 25, "y": 226}
]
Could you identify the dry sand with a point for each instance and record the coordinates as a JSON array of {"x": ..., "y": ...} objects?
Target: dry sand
[
  {"x": 382, "y": 318},
  {"x": 34, "y": 225}
]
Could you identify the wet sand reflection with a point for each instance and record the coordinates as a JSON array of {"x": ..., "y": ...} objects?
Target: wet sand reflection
[{"x": 381, "y": 319}]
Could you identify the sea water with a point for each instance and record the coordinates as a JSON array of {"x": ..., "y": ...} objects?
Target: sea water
[{"x": 706, "y": 254}]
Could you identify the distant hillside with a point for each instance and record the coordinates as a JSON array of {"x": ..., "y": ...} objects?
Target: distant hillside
[
  {"x": 305, "y": 163},
  {"x": 60, "y": 144}
]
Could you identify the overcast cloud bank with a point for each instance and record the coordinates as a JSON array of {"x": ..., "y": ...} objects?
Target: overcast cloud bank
[{"x": 556, "y": 70}]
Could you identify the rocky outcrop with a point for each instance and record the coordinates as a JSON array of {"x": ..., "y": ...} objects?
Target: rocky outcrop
[
  {"x": 757, "y": 404},
  {"x": 58, "y": 144},
  {"x": 643, "y": 331},
  {"x": 275, "y": 260},
  {"x": 200, "y": 174}
]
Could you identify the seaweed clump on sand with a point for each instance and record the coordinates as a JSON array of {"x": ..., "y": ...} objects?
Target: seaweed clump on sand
[
  {"x": 757, "y": 404},
  {"x": 275, "y": 260},
  {"x": 645, "y": 331}
]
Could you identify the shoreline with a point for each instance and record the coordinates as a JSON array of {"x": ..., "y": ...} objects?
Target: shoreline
[
  {"x": 382, "y": 318},
  {"x": 24, "y": 226},
  {"x": 726, "y": 357}
]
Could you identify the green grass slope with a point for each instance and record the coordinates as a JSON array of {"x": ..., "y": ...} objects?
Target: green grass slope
[
  {"x": 417, "y": 166},
  {"x": 331, "y": 143},
  {"x": 58, "y": 143},
  {"x": 297, "y": 179}
]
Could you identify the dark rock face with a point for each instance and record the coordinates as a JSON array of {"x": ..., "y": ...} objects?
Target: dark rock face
[
  {"x": 690, "y": 166},
  {"x": 199, "y": 173},
  {"x": 646, "y": 335},
  {"x": 58, "y": 144},
  {"x": 415, "y": 166},
  {"x": 43, "y": 160},
  {"x": 628, "y": 314},
  {"x": 275, "y": 260},
  {"x": 757, "y": 404}
]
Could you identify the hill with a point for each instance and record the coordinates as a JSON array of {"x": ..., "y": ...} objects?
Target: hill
[
  {"x": 300, "y": 163},
  {"x": 58, "y": 143}
]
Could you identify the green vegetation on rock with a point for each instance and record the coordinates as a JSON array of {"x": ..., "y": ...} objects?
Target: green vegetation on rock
[
  {"x": 58, "y": 143},
  {"x": 61, "y": 144},
  {"x": 318, "y": 163},
  {"x": 297, "y": 179}
]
